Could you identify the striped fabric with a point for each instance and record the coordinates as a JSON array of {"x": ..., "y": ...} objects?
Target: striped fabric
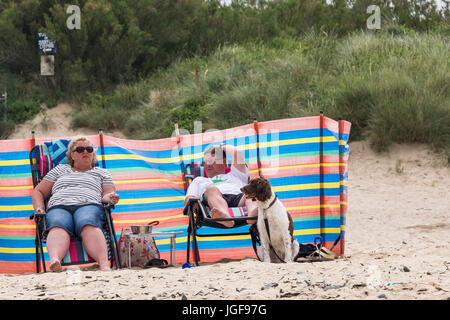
[
  {"x": 238, "y": 212},
  {"x": 76, "y": 254},
  {"x": 305, "y": 160}
]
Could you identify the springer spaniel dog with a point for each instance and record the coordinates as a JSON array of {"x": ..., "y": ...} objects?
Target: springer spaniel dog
[{"x": 275, "y": 225}]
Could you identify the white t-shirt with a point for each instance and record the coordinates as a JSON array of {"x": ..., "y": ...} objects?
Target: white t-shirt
[{"x": 229, "y": 183}]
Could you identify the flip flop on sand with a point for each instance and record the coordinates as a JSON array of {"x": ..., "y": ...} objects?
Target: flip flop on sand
[
  {"x": 159, "y": 263},
  {"x": 326, "y": 254}
]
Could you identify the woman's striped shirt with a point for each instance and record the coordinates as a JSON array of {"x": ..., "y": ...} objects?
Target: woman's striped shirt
[{"x": 77, "y": 188}]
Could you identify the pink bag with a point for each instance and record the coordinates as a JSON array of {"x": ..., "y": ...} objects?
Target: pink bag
[{"x": 137, "y": 249}]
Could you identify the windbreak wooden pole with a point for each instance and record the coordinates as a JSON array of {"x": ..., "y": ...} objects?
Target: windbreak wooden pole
[
  {"x": 180, "y": 151},
  {"x": 341, "y": 186},
  {"x": 33, "y": 139},
  {"x": 321, "y": 161},
  {"x": 102, "y": 147},
  {"x": 258, "y": 159}
]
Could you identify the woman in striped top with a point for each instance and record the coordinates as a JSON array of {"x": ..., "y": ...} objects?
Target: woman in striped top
[{"x": 75, "y": 193}]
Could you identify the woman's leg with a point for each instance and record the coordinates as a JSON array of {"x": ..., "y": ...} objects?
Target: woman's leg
[
  {"x": 59, "y": 225},
  {"x": 95, "y": 244},
  {"x": 89, "y": 220},
  {"x": 58, "y": 241}
]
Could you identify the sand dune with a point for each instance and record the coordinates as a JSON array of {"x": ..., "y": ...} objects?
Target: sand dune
[{"x": 54, "y": 122}]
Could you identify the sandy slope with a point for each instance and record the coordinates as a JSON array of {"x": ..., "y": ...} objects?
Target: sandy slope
[
  {"x": 54, "y": 122},
  {"x": 397, "y": 247}
]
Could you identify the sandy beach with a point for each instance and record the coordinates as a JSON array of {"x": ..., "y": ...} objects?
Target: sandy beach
[{"x": 397, "y": 247}]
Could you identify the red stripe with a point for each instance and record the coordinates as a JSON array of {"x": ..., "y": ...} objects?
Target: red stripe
[{"x": 73, "y": 251}]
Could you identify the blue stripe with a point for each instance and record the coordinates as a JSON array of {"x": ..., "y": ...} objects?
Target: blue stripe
[
  {"x": 16, "y": 214},
  {"x": 313, "y": 178},
  {"x": 11, "y": 201},
  {"x": 10, "y": 243},
  {"x": 20, "y": 257},
  {"x": 14, "y": 155},
  {"x": 307, "y": 193},
  {"x": 25, "y": 168}
]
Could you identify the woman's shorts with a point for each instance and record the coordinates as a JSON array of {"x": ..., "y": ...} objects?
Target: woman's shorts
[{"x": 74, "y": 218}]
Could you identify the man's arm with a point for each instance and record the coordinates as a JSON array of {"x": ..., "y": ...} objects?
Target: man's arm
[
  {"x": 237, "y": 157},
  {"x": 192, "y": 191}
]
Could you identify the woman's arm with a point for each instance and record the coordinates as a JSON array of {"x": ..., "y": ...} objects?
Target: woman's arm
[
  {"x": 109, "y": 194},
  {"x": 42, "y": 192}
]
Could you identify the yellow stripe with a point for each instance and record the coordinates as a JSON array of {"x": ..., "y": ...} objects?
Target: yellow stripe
[
  {"x": 19, "y": 250},
  {"x": 16, "y": 188},
  {"x": 314, "y": 207},
  {"x": 295, "y": 141},
  {"x": 14, "y": 162},
  {"x": 316, "y": 231},
  {"x": 147, "y": 180},
  {"x": 15, "y": 226},
  {"x": 295, "y": 187},
  {"x": 17, "y": 208}
]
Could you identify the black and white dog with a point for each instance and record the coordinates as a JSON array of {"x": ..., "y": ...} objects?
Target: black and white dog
[{"x": 275, "y": 225}]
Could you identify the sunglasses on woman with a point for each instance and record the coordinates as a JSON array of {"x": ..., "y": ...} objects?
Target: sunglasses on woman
[{"x": 81, "y": 149}]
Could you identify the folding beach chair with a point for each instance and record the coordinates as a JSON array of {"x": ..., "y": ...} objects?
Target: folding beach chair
[
  {"x": 42, "y": 159},
  {"x": 199, "y": 214}
]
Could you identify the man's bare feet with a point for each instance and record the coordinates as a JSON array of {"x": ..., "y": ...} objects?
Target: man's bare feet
[
  {"x": 55, "y": 265},
  {"x": 253, "y": 213},
  {"x": 216, "y": 214}
]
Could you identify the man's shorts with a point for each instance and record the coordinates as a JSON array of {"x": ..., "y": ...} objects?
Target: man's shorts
[
  {"x": 231, "y": 199},
  {"x": 74, "y": 218}
]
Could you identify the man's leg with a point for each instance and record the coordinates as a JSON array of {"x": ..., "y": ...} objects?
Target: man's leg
[
  {"x": 252, "y": 208},
  {"x": 218, "y": 205}
]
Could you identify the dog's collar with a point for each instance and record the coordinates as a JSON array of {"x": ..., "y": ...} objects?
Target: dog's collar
[{"x": 272, "y": 203}]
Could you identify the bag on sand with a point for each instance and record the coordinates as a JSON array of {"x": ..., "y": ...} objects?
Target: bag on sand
[
  {"x": 306, "y": 252},
  {"x": 137, "y": 250}
]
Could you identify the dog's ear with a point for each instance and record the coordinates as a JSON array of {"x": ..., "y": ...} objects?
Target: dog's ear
[{"x": 263, "y": 189}]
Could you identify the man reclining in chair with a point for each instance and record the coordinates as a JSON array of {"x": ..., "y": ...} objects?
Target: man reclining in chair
[{"x": 221, "y": 190}]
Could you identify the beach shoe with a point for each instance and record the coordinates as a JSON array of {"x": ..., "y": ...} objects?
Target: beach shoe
[
  {"x": 159, "y": 263},
  {"x": 326, "y": 254}
]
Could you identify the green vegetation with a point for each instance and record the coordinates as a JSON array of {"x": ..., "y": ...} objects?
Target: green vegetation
[
  {"x": 392, "y": 89},
  {"x": 139, "y": 65}
]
